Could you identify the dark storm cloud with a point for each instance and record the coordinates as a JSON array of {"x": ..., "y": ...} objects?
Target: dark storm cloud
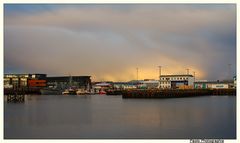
[{"x": 110, "y": 41}]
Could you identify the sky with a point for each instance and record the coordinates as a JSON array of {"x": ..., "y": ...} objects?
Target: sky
[{"x": 110, "y": 41}]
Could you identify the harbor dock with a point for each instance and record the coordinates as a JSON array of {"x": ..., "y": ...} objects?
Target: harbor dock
[
  {"x": 15, "y": 98},
  {"x": 172, "y": 93}
]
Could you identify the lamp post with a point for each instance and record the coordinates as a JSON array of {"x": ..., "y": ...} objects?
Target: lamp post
[
  {"x": 160, "y": 75},
  {"x": 187, "y": 71},
  {"x": 159, "y": 71},
  {"x": 229, "y": 71},
  {"x": 137, "y": 73},
  {"x": 194, "y": 76}
]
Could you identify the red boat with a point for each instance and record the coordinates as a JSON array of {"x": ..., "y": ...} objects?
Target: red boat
[{"x": 102, "y": 91}]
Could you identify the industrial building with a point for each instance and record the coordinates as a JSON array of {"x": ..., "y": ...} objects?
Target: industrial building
[
  {"x": 234, "y": 82},
  {"x": 213, "y": 84},
  {"x": 24, "y": 80},
  {"x": 137, "y": 84},
  {"x": 63, "y": 82},
  {"x": 176, "y": 81},
  {"x": 41, "y": 81}
]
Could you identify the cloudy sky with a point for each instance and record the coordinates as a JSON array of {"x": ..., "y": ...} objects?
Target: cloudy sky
[{"x": 108, "y": 42}]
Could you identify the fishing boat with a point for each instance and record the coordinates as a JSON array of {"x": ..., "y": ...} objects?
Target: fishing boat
[
  {"x": 102, "y": 91},
  {"x": 81, "y": 91},
  {"x": 69, "y": 91}
]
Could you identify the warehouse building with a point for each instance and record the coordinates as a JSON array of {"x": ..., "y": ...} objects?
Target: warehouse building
[
  {"x": 213, "y": 84},
  {"x": 176, "y": 81},
  {"x": 41, "y": 80},
  {"x": 235, "y": 82},
  {"x": 63, "y": 82},
  {"x": 24, "y": 80}
]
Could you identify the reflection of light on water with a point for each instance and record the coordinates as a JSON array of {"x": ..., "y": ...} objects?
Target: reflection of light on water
[
  {"x": 144, "y": 118},
  {"x": 108, "y": 116},
  {"x": 170, "y": 113}
]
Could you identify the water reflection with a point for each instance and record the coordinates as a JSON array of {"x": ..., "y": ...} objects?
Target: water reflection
[{"x": 113, "y": 117}]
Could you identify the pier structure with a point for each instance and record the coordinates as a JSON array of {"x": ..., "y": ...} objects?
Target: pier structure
[
  {"x": 15, "y": 98},
  {"x": 15, "y": 95},
  {"x": 177, "y": 93}
]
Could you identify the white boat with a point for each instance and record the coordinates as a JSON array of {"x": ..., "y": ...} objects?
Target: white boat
[
  {"x": 69, "y": 91},
  {"x": 83, "y": 92}
]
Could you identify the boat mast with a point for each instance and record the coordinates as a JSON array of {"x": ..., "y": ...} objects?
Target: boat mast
[{"x": 70, "y": 80}]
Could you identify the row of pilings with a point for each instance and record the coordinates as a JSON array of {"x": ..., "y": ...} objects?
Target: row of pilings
[
  {"x": 174, "y": 93},
  {"x": 15, "y": 95},
  {"x": 15, "y": 98}
]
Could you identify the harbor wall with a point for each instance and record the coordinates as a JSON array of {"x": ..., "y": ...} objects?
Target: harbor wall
[{"x": 170, "y": 93}]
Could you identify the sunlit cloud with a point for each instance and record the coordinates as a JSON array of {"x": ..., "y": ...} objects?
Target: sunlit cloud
[{"x": 109, "y": 42}]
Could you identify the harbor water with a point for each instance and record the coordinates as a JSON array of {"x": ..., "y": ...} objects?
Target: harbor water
[{"x": 111, "y": 117}]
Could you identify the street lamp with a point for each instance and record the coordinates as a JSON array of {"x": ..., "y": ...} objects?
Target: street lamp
[{"x": 137, "y": 74}]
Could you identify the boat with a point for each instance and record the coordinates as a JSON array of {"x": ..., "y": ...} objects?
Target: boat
[
  {"x": 69, "y": 91},
  {"x": 81, "y": 92},
  {"x": 102, "y": 91},
  {"x": 50, "y": 91}
]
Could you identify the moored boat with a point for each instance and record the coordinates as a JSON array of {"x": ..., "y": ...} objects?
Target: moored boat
[{"x": 69, "y": 91}]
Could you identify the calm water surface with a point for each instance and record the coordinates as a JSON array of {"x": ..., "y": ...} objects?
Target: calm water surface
[{"x": 99, "y": 116}]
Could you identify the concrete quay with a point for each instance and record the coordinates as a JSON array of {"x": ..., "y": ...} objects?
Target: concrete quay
[{"x": 177, "y": 93}]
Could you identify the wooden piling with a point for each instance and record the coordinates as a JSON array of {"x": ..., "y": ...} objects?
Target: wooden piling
[{"x": 15, "y": 98}]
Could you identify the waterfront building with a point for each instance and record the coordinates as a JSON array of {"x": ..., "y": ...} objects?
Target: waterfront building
[
  {"x": 102, "y": 87},
  {"x": 134, "y": 84},
  {"x": 124, "y": 85},
  {"x": 176, "y": 81},
  {"x": 41, "y": 80},
  {"x": 204, "y": 84},
  {"x": 234, "y": 82},
  {"x": 63, "y": 82},
  {"x": 151, "y": 83},
  {"x": 24, "y": 80},
  {"x": 35, "y": 83}
]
